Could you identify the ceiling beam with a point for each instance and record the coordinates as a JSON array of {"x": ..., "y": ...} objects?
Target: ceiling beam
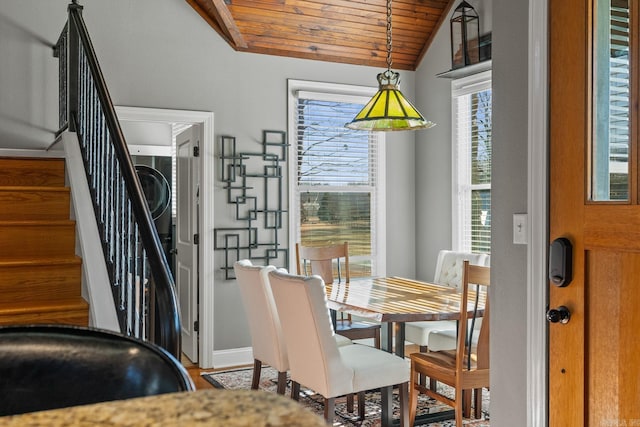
[
  {"x": 212, "y": 22},
  {"x": 227, "y": 23}
]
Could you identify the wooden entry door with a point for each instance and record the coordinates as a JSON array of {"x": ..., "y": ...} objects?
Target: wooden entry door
[{"x": 594, "y": 359}]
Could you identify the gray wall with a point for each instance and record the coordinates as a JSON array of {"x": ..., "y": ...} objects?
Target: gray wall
[
  {"x": 509, "y": 196},
  {"x": 433, "y": 156},
  {"x": 161, "y": 54},
  {"x": 508, "y": 21},
  {"x": 433, "y": 146},
  {"x": 28, "y": 73}
]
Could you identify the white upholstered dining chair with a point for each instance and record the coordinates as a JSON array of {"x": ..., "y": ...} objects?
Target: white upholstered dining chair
[
  {"x": 314, "y": 358},
  {"x": 267, "y": 339},
  {"x": 441, "y": 334},
  {"x": 266, "y": 335}
]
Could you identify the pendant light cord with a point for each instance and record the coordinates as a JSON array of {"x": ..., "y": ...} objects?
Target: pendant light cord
[
  {"x": 389, "y": 109},
  {"x": 389, "y": 36}
]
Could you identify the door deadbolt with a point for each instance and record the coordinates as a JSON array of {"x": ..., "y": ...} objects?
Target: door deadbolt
[
  {"x": 559, "y": 315},
  {"x": 560, "y": 262}
]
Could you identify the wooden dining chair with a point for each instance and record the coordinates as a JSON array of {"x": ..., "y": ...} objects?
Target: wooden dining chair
[
  {"x": 448, "y": 273},
  {"x": 332, "y": 263},
  {"x": 466, "y": 368}
]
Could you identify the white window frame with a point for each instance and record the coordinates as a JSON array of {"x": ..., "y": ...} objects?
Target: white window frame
[
  {"x": 461, "y": 190},
  {"x": 345, "y": 93}
]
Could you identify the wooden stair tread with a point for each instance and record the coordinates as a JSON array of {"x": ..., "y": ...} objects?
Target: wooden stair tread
[
  {"x": 29, "y": 203},
  {"x": 27, "y": 239},
  {"x": 32, "y": 280},
  {"x": 35, "y": 222},
  {"x": 34, "y": 188},
  {"x": 32, "y": 171},
  {"x": 69, "y": 317},
  {"x": 11, "y": 308},
  {"x": 73, "y": 260}
]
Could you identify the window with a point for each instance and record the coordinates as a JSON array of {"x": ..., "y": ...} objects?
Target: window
[
  {"x": 336, "y": 174},
  {"x": 471, "y": 101},
  {"x": 612, "y": 105}
]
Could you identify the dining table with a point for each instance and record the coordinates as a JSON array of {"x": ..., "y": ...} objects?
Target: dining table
[{"x": 393, "y": 301}]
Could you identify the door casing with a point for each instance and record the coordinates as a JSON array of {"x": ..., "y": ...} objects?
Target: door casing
[{"x": 205, "y": 212}]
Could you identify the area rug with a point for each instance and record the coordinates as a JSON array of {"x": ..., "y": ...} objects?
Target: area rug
[{"x": 241, "y": 379}]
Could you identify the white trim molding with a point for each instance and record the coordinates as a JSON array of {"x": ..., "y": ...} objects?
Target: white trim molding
[
  {"x": 233, "y": 357},
  {"x": 16, "y": 152},
  {"x": 96, "y": 286},
  {"x": 537, "y": 206},
  {"x": 206, "y": 268}
]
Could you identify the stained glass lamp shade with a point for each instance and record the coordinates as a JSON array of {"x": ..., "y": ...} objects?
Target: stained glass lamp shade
[{"x": 389, "y": 109}]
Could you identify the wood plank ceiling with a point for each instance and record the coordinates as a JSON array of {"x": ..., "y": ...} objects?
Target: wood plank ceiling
[{"x": 345, "y": 31}]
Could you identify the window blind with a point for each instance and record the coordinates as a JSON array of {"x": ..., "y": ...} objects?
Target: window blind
[
  {"x": 472, "y": 192},
  {"x": 336, "y": 177},
  {"x": 328, "y": 153},
  {"x": 619, "y": 124}
]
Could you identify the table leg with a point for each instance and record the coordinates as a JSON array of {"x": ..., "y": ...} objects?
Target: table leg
[
  {"x": 404, "y": 389},
  {"x": 386, "y": 336},
  {"x": 399, "y": 339},
  {"x": 404, "y": 403},
  {"x": 386, "y": 393},
  {"x": 390, "y": 334}
]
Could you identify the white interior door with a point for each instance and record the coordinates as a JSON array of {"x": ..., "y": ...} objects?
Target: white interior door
[{"x": 187, "y": 184}]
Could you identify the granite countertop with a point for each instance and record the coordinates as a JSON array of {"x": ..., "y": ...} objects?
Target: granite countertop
[{"x": 201, "y": 408}]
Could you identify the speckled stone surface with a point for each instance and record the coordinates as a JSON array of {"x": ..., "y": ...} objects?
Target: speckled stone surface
[{"x": 201, "y": 408}]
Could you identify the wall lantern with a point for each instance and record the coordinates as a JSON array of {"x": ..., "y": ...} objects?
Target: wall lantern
[{"x": 465, "y": 36}]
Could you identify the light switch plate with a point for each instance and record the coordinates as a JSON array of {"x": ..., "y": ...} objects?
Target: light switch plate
[{"x": 520, "y": 229}]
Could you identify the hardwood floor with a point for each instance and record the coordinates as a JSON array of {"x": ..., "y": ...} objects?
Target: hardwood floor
[
  {"x": 200, "y": 383},
  {"x": 196, "y": 373}
]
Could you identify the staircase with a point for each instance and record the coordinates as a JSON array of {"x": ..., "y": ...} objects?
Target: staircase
[{"x": 40, "y": 275}]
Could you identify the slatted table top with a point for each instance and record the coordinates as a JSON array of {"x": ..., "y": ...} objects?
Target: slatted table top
[{"x": 396, "y": 299}]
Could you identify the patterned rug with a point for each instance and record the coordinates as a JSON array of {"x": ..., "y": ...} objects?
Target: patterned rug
[{"x": 241, "y": 379}]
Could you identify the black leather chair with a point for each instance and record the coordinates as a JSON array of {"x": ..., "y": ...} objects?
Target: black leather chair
[{"x": 48, "y": 367}]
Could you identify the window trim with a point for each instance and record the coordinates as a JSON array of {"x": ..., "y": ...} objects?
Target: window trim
[
  {"x": 344, "y": 92},
  {"x": 460, "y": 87}
]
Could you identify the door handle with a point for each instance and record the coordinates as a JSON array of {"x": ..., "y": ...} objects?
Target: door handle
[{"x": 559, "y": 315}]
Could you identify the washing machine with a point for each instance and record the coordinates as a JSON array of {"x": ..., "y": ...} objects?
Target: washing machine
[{"x": 157, "y": 192}]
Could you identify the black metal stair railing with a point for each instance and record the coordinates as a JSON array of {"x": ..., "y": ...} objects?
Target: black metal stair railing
[{"x": 142, "y": 284}]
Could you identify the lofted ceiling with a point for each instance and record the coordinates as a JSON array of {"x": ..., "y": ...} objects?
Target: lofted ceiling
[{"x": 345, "y": 31}]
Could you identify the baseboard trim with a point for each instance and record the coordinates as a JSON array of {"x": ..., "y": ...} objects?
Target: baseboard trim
[{"x": 232, "y": 357}]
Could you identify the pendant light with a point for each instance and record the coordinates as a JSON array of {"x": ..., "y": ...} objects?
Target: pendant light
[{"x": 388, "y": 109}]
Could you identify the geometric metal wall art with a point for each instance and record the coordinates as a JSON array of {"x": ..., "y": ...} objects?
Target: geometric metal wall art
[{"x": 254, "y": 186}]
